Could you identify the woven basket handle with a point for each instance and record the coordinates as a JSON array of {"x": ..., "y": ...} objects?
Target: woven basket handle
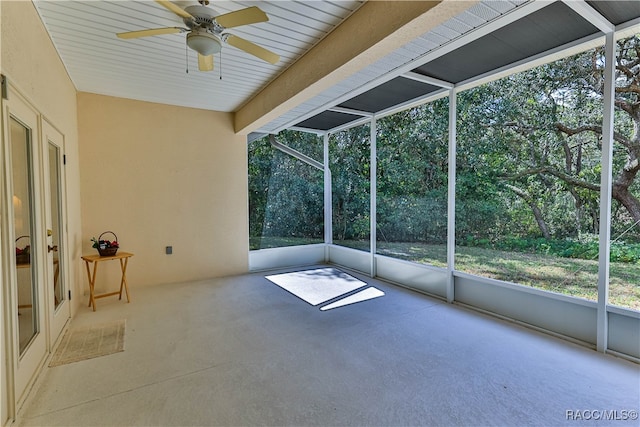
[
  {"x": 114, "y": 235},
  {"x": 21, "y": 237}
]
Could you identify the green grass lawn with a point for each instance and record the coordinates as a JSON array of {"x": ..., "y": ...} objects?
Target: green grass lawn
[
  {"x": 278, "y": 242},
  {"x": 567, "y": 276}
]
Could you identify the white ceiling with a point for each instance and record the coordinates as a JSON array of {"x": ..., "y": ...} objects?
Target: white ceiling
[{"x": 154, "y": 68}]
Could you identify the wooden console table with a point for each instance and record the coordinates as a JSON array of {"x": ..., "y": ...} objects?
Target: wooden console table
[{"x": 95, "y": 259}]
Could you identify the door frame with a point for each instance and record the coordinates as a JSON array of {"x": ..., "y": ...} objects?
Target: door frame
[
  {"x": 57, "y": 318},
  {"x": 20, "y": 372}
]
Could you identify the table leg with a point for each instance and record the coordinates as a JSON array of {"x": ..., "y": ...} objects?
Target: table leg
[
  {"x": 92, "y": 282},
  {"x": 123, "y": 281}
]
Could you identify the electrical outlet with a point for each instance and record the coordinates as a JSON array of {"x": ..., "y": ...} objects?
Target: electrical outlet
[{"x": 168, "y": 250}]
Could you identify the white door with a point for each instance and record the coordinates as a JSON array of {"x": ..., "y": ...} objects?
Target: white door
[
  {"x": 57, "y": 295},
  {"x": 25, "y": 241}
]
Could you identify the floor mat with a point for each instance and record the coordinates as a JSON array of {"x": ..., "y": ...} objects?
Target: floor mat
[{"x": 89, "y": 342}]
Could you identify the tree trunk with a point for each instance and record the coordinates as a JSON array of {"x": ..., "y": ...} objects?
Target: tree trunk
[
  {"x": 621, "y": 193},
  {"x": 544, "y": 229},
  {"x": 537, "y": 213}
]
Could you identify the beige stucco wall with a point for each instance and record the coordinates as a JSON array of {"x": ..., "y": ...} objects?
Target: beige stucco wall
[
  {"x": 32, "y": 65},
  {"x": 155, "y": 174},
  {"x": 160, "y": 175}
]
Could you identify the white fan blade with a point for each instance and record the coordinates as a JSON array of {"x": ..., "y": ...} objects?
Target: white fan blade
[
  {"x": 252, "y": 48},
  {"x": 151, "y": 32},
  {"x": 205, "y": 63},
  {"x": 250, "y": 15},
  {"x": 174, "y": 8}
]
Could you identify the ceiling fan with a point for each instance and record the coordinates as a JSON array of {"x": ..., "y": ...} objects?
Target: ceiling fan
[{"x": 206, "y": 31}]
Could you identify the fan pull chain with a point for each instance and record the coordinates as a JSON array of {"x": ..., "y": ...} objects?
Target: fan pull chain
[
  {"x": 186, "y": 56},
  {"x": 220, "y": 65}
]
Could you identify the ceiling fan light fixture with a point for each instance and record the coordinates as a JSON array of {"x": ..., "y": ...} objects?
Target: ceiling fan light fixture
[{"x": 204, "y": 43}]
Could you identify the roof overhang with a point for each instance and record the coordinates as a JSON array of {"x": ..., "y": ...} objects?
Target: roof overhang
[{"x": 526, "y": 35}]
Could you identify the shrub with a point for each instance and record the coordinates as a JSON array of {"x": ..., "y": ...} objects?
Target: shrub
[{"x": 585, "y": 247}]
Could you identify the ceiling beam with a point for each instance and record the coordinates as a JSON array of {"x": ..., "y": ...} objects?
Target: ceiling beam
[
  {"x": 426, "y": 79},
  {"x": 376, "y": 29},
  {"x": 506, "y": 19},
  {"x": 590, "y": 14},
  {"x": 351, "y": 111}
]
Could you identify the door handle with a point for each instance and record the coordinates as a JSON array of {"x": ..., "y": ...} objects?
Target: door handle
[{"x": 52, "y": 248}]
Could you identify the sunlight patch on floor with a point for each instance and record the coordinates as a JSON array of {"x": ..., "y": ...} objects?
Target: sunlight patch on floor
[{"x": 322, "y": 285}]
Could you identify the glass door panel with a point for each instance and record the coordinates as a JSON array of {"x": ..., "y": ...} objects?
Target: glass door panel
[
  {"x": 56, "y": 290},
  {"x": 23, "y": 211},
  {"x": 56, "y": 220},
  {"x": 24, "y": 266}
]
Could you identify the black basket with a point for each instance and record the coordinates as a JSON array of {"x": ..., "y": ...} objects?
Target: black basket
[
  {"x": 24, "y": 257},
  {"x": 105, "y": 251}
]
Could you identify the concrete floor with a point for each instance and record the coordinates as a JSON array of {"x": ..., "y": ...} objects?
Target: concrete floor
[{"x": 241, "y": 351}]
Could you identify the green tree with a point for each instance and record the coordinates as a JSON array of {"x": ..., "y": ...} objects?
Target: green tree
[
  {"x": 534, "y": 139},
  {"x": 350, "y": 167},
  {"x": 569, "y": 96},
  {"x": 285, "y": 195},
  {"x": 412, "y": 174}
]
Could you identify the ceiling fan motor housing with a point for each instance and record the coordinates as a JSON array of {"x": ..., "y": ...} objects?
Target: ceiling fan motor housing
[{"x": 203, "y": 17}]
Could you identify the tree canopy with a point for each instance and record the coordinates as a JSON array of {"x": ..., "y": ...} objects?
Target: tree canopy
[{"x": 529, "y": 150}]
